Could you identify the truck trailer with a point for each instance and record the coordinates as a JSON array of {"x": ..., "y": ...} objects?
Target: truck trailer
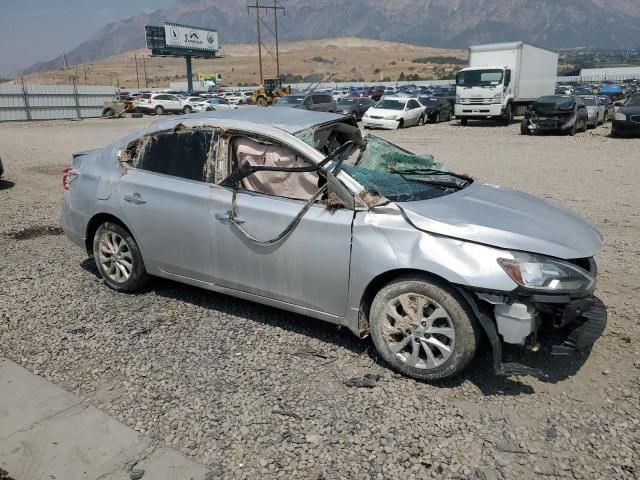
[{"x": 503, "y": 79}]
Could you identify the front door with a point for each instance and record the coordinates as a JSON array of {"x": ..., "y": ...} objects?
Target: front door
[{"x": 308, "y": 268}]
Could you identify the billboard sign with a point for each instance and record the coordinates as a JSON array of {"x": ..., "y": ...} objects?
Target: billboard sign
[
  {"x": 190, "y": 38},
  {"x": 208, "y": 77}
]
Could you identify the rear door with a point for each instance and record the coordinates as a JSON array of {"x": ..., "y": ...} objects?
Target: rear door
[{"x": 165, "y": 198}]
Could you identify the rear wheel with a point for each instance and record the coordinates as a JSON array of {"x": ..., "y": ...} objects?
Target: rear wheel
[
  {"x": 187, "y": 109},
  {"x": 159, "y": 110},
  {"x": 464, "y": 122},
  {"x": 423, "y": 329},
  {"x": 262, "y": 102},
  {"x": 118, "y": 258}
]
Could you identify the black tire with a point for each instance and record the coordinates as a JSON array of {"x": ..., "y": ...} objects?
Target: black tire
[
  {"x": 508, "y": 115},
  {"x": 584, "y": 126},
  {"x": 108, "y": 112},
  {"x": 400, "y": 123},
  {"x": 159, "y": 110},
  {"x": 573, "y": 129},
  {"x": 524, "y": 127},
  {"x": 437, "y": 118},
  {"x": 464, "y": 122},
  {"x": 187, "y": 109},
  {"x": 262, "y": 102},
  {"x": 138, "y": 277},
  {"x": 136, "y": 115},
  {"x": 460, "y": 318},
  {"x": 421, "y": 121}
]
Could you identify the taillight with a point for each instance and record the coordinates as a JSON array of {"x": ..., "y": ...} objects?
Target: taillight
[{"x": 68, "y": 176}]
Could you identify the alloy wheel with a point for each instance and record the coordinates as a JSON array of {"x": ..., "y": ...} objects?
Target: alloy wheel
[
  {"x": 115, "y": 257},
  {"x": 418, "y": 331}
]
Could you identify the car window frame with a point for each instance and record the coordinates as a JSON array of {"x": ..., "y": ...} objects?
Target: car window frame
[{"x": 215, "y": 138}]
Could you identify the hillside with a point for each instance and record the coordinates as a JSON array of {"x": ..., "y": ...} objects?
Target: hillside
[
  {"x": 335, "y": 59},
  {"x": 437, "y": 23}
]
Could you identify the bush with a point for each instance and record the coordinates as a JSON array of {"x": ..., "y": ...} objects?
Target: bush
[{"x": 440, "y": 60}]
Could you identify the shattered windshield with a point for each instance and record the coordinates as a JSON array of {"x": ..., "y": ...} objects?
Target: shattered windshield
[
  {"x": 564, "y": 102},
  {"x": 387, "y": 170}
]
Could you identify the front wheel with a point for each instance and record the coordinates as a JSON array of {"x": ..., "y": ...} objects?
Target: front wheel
[
  {"x": 421, "y": 121},
  {"x": 437, "y": 118},
  {"x": 524, "y": 127},
  {"x": 508, "y": 116},
  {"x": 423, "y": 328},
  {"x": 159, "y": 110},
  {"x": 401, "y": 123},
  {"x": 262, "y": 102},
  {"x": 118, "y": 258},
  {"x": 187, "y": 109}
]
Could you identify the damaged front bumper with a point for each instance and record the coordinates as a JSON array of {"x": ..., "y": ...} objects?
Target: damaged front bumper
[
  {"x": 551, "y": 123},
  {"x": 564, "y": 325}
]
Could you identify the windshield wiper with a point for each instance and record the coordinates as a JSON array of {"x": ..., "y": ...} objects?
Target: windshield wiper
[{"x": 432, "y": 171}]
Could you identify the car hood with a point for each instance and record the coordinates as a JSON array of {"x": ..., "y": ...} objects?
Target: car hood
[
  {"x": 383, "y": 112},
  {"x": 550, "y": 110},
  {"x": 630, "y": 110},
  {"x": 506, "y": 218}
]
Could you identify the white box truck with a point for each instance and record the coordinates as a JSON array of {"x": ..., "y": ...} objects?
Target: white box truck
[{"x": 503, "y": 79}]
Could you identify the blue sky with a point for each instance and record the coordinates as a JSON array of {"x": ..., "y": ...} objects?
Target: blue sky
[{"x": 36, "y": 30}]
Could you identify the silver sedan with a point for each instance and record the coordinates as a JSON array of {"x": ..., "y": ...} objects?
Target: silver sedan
[{"x": 298, "y": 210}]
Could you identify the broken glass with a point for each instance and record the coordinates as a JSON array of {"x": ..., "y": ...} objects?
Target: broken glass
[{"x": 386, "y": 170}]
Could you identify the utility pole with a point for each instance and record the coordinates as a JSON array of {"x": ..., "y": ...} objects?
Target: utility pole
[
  {"x": 135, "y": 58},
  {"x": 275, "y": 7},
  {"x": 144, "y": 67}
]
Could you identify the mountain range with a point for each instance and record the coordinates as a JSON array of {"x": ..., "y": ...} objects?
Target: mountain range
[{"x": 437, "y": 23}]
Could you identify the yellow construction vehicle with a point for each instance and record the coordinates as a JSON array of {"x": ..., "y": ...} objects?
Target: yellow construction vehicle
[{"x": 271, "y": 89}]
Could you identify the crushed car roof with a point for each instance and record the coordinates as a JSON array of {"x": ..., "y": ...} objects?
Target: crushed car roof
[{"x": 290, "y": 120}]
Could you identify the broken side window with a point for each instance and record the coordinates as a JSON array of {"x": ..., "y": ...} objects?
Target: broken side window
[
  {"x": 183, "y": 153},
  {"x": 296, "y": 185}
]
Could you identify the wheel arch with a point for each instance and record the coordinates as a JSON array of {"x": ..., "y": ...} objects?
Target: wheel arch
[
  {"x": 384, "y": 278},
  {"x": 95, "y": 222}
]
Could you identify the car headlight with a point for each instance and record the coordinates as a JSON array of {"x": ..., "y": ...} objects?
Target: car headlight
[
  {"x": 498, "y": 96},
  {"x": 620, "y": 116},
  {"x": 544, "y": 274}
]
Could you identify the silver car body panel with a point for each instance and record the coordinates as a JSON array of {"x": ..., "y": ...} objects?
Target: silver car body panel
[{"x": 323, "y": 268}]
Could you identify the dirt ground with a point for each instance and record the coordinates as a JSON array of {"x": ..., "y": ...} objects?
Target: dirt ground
[{"x": 253, "y": 392}]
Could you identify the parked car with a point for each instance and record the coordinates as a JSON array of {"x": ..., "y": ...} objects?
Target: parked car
[
  {"x": 555, "y": 113},
  {"x": 626, "y": 120},
  {"x": 582, "y": 90},
  {"x": 189, "y": 104},
  {"x": 159, "y": 103},
  {"x": 609, "y": 108},
  {"x": 213, "y": 104},
  {"x": 375, "y": 93},
  {"x": 595, "y": 110},
  {"x": 421, "y": 258},
  {"x": 354, "y": 106},
  {"x": 235, "y": 98},
  {"x": 448, "y": 92},
  {"x": 393, "y": 113},
  {"x": 437, "y": 109},
  {"x": 317, "y": 102}
]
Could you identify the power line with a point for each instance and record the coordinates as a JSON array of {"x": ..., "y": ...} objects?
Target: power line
[{"x": 275, "y": 8}]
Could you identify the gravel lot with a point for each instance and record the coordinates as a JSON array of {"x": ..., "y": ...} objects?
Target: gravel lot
[{"x": 253, "y": 392}]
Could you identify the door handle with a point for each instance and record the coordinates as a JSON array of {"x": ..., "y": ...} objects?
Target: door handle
[
  {"x": 226, "y": 218},
  {"x": 135, "y": 199}
]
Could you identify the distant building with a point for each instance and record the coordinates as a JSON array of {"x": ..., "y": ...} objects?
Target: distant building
[{"x": 610, "y": 73}]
